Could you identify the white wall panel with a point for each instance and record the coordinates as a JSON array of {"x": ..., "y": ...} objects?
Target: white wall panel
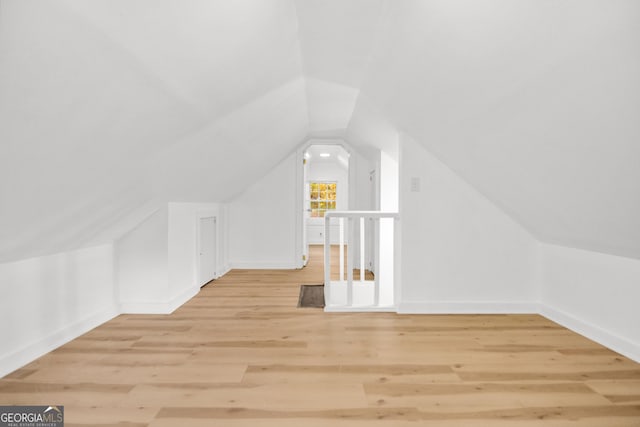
[{"x": 48, "y": 301}]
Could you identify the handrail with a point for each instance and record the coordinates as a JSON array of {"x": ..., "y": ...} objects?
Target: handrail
[{"x": 366, "y": 214}]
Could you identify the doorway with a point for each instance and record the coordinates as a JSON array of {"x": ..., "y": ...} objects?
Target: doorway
[{"x": 326, "y": 188}]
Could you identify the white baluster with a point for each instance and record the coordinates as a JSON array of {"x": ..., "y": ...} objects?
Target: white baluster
[
  {"x": 362, "y": 249},
  {"x": 341, "y": 219},
  {"x": 350, "y": 251},
  {"x": 376, "y": 278},
  {"x": 327, "y": 261}
]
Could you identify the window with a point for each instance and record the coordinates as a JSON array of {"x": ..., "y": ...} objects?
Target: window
[{"x": 322, "y": 197}]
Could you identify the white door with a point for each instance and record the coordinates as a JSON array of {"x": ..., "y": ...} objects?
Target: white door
[{"x": 207, "y": 248}]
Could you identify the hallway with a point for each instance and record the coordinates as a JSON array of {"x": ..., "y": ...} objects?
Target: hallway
[{"x": 241, "y": 354}]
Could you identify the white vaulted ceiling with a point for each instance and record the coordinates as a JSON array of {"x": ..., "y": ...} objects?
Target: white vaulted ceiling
[
  {"x": 536, "y": 103},
  {"x": 111, "y": 107},
  {"x": 336, "y": 40}
]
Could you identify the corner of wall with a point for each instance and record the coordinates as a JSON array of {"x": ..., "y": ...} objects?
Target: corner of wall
[
  {"x": 86, "y": 273},
  {"x": 159, "y": 307},
  {"x": 30, "y": 352},
  {"x": 593, "y": 294},
  {"x": 595, "y": 333}
]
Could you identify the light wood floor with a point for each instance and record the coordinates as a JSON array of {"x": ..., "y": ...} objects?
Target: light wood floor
[{"x": 242, "y": 354}]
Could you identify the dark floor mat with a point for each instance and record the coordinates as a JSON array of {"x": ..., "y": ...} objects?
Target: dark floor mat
[{"x": 311, "y": 296}]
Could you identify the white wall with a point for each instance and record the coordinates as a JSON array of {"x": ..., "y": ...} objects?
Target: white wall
[
  {"x": 183, "y": 247},
  {"x": 460, "y": 253},
  {"x": 48, "y": 301},
  {"x": 157, "y": 266},
  {"x": 389, "y": 183},
  {"x": 142, "y": 265},
  {"x": 388, "y": 232},
  {"x": 535, "y": 103},
  {"x": 262, "y": 221},
  {"x": 361, "y": 197},
  {"x": 594, "y": 294}
]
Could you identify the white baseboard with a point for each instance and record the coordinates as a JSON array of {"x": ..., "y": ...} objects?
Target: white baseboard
[
  {"x": 251, "y": 265},
  {"x": 19, "y": 358},
  {"x": 586, "y": 329},
  {"x": 594, "y": 333},
  {"x": 158, "y": 307},
  {"x": 144, "y": 307},
  {"x": 225, "y": 270},
  {"x": 464, "y": 307},
  {"x": 182, "y": 298}
]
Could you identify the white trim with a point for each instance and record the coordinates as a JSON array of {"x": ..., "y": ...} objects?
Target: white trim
[
  {"x": 198, "y": 273},
  {"x": 225, "y": 270},
  {"x": 159, "y": 307},
  {"x": 19, "y": 358},
  {"x": 299, "y": 191},
  {"x": 601, "y": 336},
  {"x": 144, "y": 307},
  {"x": 593, "y": 332},
  {"x": 467, "y": 307},
  {"x": 298, "y": 202},
  {"x": 258, "y": 265},
  {"x": 358, "y": 214},
  {"x": 180, "y": 299},
  {"x": 221, "y": 235}
]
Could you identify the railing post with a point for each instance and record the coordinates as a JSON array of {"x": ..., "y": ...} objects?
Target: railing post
[
  {"x": 376, "y": 277},
  {"x": 362, "y": 248},
  {"x": 397, "y": 275},
  {"x": 327, "y": 261},
  {"x": 341, "y": 249}
]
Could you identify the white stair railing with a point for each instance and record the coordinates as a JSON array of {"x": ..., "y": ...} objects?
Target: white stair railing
[{"x": 373, "y": 227}]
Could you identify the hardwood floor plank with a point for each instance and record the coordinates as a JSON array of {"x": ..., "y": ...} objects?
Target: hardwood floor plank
[
  {"x": 362, "y": 374},
  {"x": 552, "y": 376},
  {"x": 34, "y": 387},
  {"x": 407, "y": 413},
  {"x": 278, "y": 396},
  {"x": 189, "y": 372}
]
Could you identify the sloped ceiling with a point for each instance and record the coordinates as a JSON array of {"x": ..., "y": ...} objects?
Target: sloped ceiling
[
  {"x": 535, "y": 103},
  {"x": 337, "y": 40},
  {"x": 110, "y": 107}
]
